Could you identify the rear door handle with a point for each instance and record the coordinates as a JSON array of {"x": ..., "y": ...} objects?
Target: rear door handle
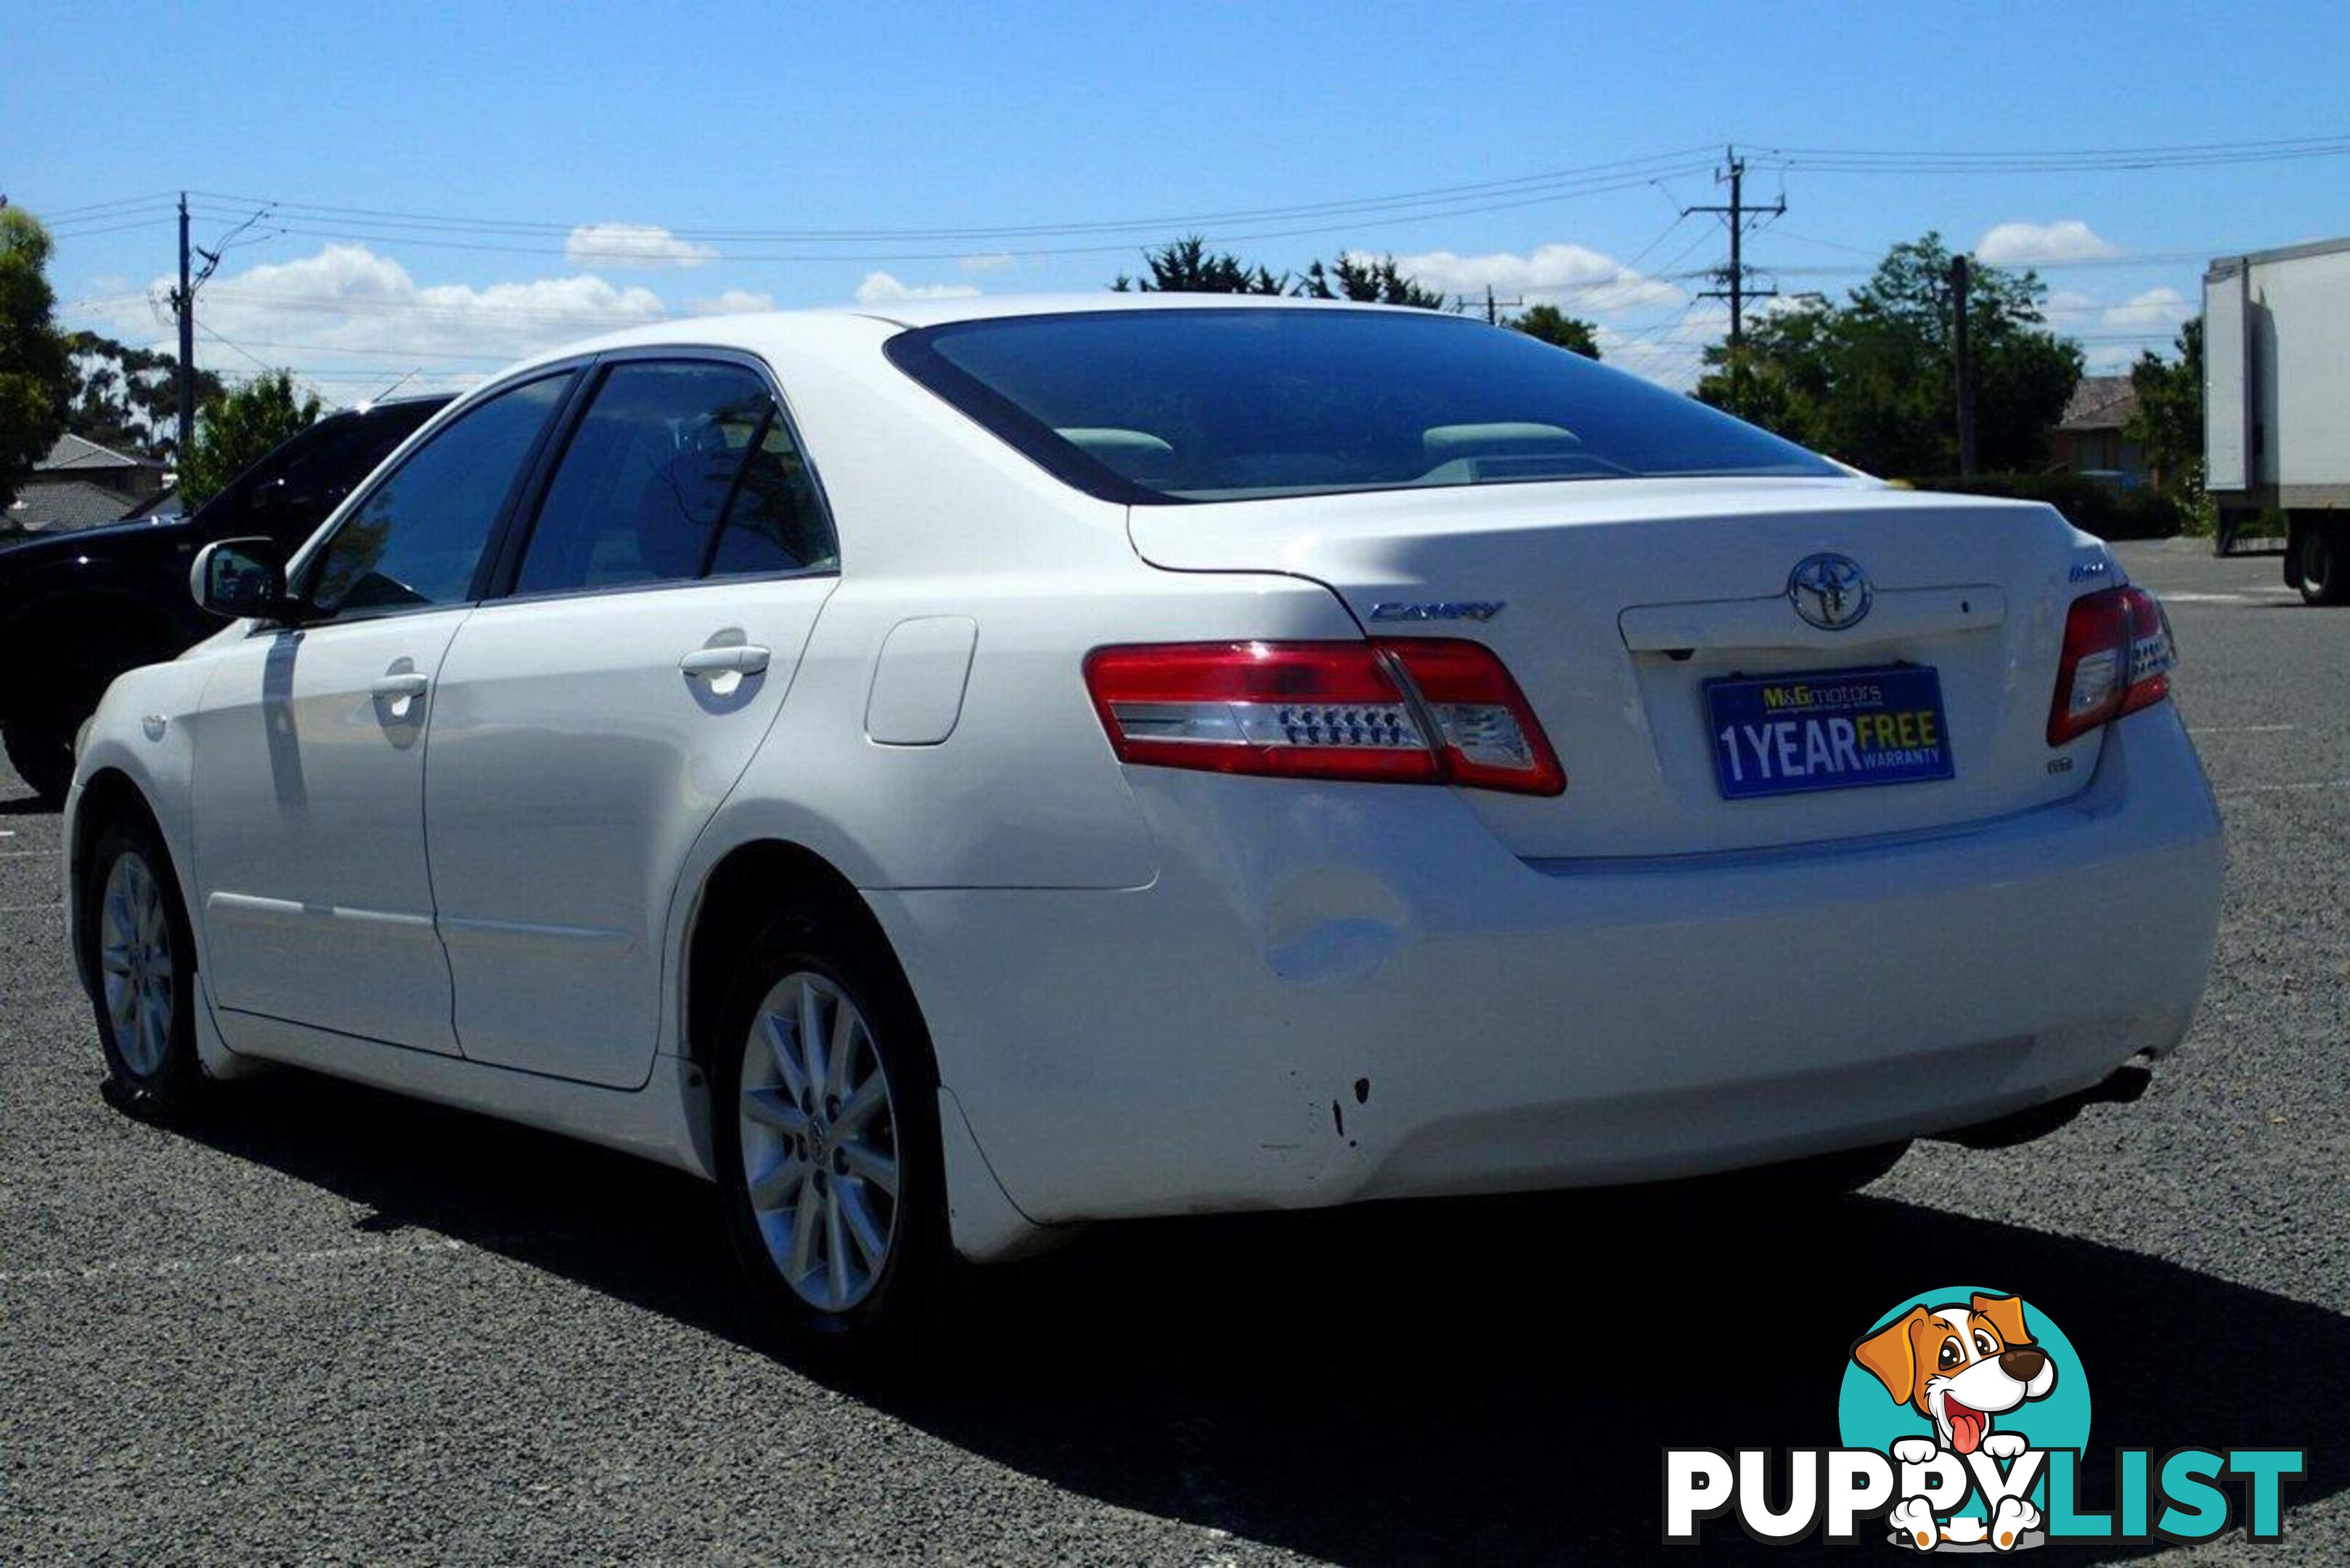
[
  {"x": 733, "y": 659},
  {"x": 393, "y": 688}
]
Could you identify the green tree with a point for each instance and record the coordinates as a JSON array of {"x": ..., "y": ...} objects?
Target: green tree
[
  {"x": 234, "y": 430},
  {"x": 1187, "y": 266},
  {"x": 35, "y": 375},
  {"x": 2169, "y": 423},
  {"x": 128, "y": 398},
  {"x": 1559, "y": 330},
  {"x": 1371, "y": 281},
  {"x": 1786, "y": 370},
  {"x": 1873, "y": 381}
]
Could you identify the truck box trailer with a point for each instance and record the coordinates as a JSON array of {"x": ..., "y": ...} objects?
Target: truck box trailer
[{"x": 2276, "y": 405}]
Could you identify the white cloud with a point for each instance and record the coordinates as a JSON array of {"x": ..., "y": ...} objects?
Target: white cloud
[
  {"x": 2020, "y": 243},
  {"x": 1668, "y": 349},
  {"x": 882, "y": 289},
  {"x": 2157, "y": 309},
  {"x": 641, "y": 245},
  {"x": 1573, "y": 277},
  {"x": 730, "y": 302},
  {"x": 998, "y": 261},
  {"x": 354, "y": 320}
]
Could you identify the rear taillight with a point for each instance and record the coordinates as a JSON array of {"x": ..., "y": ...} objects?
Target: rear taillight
[
  {"x": 1410, "y": 710},
  {"x": 2117, "y": 660}
]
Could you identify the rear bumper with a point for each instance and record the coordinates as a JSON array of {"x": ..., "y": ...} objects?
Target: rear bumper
[{"x": 1332, "y": 994}]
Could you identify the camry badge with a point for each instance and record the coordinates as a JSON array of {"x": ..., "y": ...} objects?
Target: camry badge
[
  {"x": 1831, "y": 592},
  {"x": 1444, "y": 609}
]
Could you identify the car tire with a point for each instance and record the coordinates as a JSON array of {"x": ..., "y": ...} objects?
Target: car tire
[
  {"x": 2325, "y": 573},
  {"x": 140, "y": 956},
  {"x": 43, "y": 757},
  {"x": 835, "y": 1199}
]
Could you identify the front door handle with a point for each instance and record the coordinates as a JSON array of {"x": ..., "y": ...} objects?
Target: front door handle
[
  {"x": 397, "y": 688},
  {"x": 729, "y": 659}
]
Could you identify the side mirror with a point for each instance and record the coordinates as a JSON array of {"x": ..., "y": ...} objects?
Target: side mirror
[{"x": 240, "y": 578}]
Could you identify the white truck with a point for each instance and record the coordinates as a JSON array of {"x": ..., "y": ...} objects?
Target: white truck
[{"x": 2276, "y": 405}]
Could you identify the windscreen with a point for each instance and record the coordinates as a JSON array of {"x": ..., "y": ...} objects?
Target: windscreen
[{"x": 1236, "y": 404}]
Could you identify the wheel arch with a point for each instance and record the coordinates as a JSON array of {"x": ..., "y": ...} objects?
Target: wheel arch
[
  {"x": 753, "y": 884},
  {"x": 135, "y": 753},
  {"x": 109, "y": 796}
]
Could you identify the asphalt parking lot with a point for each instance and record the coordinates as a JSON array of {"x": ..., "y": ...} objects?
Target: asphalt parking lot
[{"x": 324, "y": 1323}]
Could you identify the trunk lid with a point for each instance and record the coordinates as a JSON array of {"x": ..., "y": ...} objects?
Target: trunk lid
[{"x": 1620, "y": 600}]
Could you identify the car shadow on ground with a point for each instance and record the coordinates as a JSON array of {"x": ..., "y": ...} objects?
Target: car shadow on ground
[{"x": 1392, "y": 1383}]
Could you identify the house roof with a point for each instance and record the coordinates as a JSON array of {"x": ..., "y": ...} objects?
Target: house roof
[
  {"x": 63, "y": 503},
  {"x": 2099, "y": 403},
  {"x": 164, "y": 502},
  {"x": 71, "y": 452}
]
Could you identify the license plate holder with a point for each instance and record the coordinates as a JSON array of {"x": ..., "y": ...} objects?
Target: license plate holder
[{"x": 1842, "y": 728}]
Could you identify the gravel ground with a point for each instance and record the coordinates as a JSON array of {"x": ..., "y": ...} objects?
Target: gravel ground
[{"x": 326, "y": 1324}]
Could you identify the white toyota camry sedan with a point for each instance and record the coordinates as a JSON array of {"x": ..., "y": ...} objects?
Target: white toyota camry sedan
[{"x": 952, "y": 773}]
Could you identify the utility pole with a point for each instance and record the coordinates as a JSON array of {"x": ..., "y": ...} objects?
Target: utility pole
[
  {"x": 1734, "y": 276},
  {"x": 184, "y": 302},
  {"x": 1963, "y": 365},
  {"x": 1463, "y": 304}
]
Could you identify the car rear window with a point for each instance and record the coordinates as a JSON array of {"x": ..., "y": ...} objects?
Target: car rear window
[{"x": 1174, "y": 405}]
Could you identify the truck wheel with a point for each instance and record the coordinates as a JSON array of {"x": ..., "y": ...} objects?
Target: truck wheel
[
  {"x": 2324, "y": 575},
  {"x": 42, "y": 756}
]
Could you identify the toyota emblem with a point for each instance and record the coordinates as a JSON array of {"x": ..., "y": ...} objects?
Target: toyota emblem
[{"x": 1831, "y": 592}]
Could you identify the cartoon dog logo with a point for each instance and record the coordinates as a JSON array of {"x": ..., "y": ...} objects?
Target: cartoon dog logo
[{"x": 1960, "y": 1366}]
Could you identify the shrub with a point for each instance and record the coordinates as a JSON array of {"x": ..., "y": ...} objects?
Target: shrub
[{"x": 2088, "y": 504}]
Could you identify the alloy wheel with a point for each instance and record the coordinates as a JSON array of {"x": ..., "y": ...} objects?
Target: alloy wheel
[
  {"x": 135, "y": 960},
  {"x": 819, "y": 1137}
]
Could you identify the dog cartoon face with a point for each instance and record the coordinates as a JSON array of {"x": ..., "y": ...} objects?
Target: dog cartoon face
[{"x": 1960, "y": 1366}]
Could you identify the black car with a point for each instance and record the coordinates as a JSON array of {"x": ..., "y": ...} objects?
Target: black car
[{"x": 78, "y": 610}]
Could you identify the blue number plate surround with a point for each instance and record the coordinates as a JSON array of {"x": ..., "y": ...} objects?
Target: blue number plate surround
[{"x": 1789, "y": 734}]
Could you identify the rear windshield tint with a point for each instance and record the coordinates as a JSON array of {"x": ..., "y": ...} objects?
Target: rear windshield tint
[{"x": 1174, "y": 405}]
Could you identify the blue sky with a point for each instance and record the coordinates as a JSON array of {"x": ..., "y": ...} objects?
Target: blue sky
[{"x": 505, "y": 136}]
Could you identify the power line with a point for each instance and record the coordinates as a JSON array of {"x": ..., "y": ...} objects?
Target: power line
[
  {"x": 599, "y": 251},
  {"x": 373, "y": 353},
  {"x": 1649, "y": 167},
  {"x": 1536, "y": 186},
  {"x": 147, "y": 221},
  {"x": 61, "y": 214},
  {"x": 1882, "y": 160}
]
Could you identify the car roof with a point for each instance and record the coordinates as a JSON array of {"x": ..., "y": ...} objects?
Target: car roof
[
  {"x": 759, "y": 329},
  {"x": 978, "y": 307}
]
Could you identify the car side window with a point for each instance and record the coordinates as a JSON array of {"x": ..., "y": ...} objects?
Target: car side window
[
  {"x": 777, "y": 523},
  {"x": 417, "y": 537},
  {"x": 327, "y": 473},
  {"x": 647, "y": 477}
]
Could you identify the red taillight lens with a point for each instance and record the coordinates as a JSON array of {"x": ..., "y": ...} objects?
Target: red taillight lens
[
  {"x": 2117, "y": 658},
  {"x": 1490, "y": 738},
  {"x": 1410, "y": 710}
]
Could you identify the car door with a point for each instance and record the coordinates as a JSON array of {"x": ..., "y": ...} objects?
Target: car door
[
  {"x": 310, "y": 740},
  {"x": 591, "y": 719}
]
